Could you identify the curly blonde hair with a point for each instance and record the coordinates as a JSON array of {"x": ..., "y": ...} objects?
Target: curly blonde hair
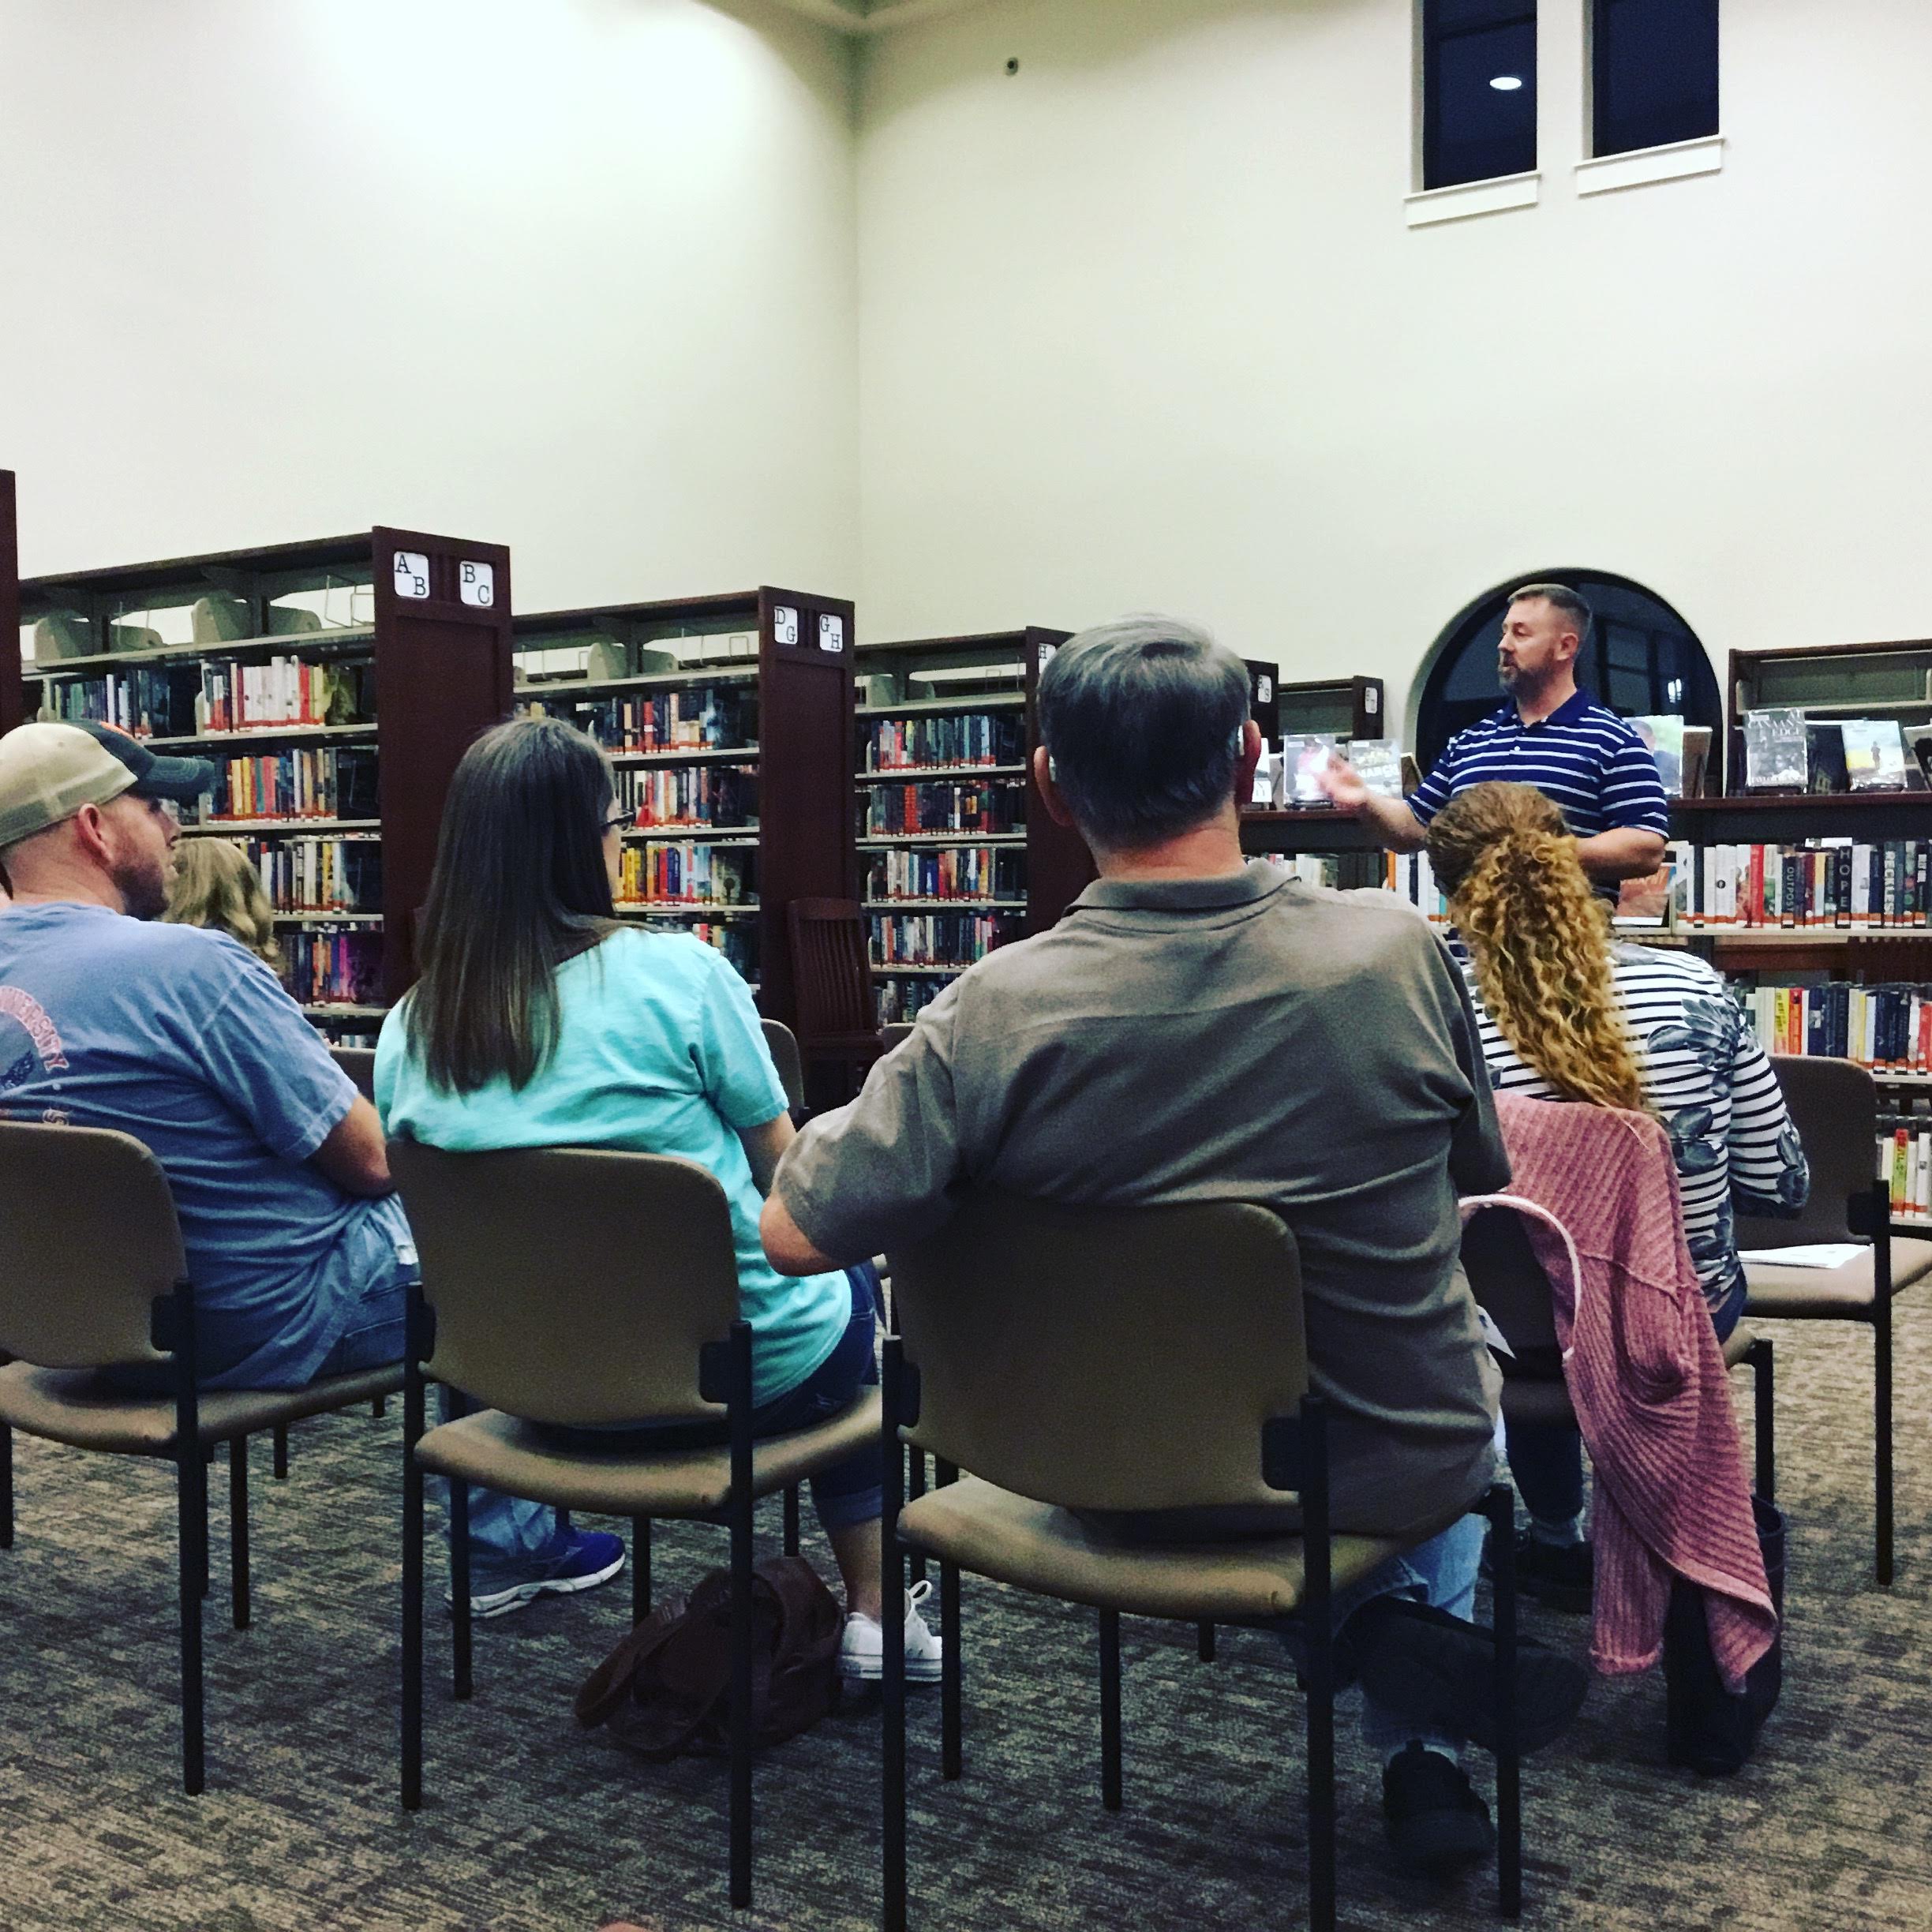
[
  {"x": 1539, "y": 938},
  {"x": 215, "y": 885}
]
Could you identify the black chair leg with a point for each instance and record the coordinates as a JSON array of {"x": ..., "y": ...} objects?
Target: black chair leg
[
  {"x": 1206, "y": 1643},
  {"x": 1881, "y": 1426},
  {"x": 281, "y": 1452},
  {"x": 915, "y": 1487},
  {"x": 640, "y": 1568},
  {"x": 893, "y": 1754},
  {"x": 238, "y": 1529},
  {"x": 952, "y": 1670},
  {"x": 791, "y": 1521},
  {"x": 202, "y": 1555},
  {"x": 412, "y": 1600},
  {"x": 741, "y": 1569},
  {"x": 1110, "y": 1710},
  {"x": 190, "y": 1480},
  {"x": 6, "y": 1487},
  {"x": 1501, "y": 1509},
  {"x": 463, "y": 1682},
  {"x": 1764, "y": 1418},
  {"x": 378, "y": 1406}
]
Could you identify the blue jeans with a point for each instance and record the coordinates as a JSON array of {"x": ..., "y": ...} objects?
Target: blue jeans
[{"x": 509, "y": 1536}]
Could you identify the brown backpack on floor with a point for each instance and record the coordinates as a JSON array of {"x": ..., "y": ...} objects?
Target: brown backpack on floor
[{"x": 666, "y": 1689}]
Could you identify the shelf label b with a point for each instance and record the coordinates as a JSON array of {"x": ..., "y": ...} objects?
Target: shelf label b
[{"x": 412, "y": 574}]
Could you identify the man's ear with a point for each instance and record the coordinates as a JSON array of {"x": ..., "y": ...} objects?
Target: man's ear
[
  {"x": 1050, "y": 792},
  {"x": 93, "y": 835},
  {"x": 1253, "y": 745}
]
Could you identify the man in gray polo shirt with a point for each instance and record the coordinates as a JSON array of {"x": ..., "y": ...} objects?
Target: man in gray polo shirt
[{"x": 1201, "y": 1027}]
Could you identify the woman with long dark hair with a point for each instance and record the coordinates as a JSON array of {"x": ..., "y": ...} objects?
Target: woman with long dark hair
[
  {"x": 541, "y": 1020},
  {"x": 1565, "y": 1013}
]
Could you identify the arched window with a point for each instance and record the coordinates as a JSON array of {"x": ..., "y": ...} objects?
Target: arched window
[{"x": 1642, "y": 659}]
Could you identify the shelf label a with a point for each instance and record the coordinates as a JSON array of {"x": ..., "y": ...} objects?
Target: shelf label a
[
  {"x": 831, "y": 633},
  {"x": 412, "y": 574},
  {"x": 785, "y": 624},
  {"x": 477, "y": 583}
]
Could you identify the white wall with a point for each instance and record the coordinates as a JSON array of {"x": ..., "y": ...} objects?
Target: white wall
[
  {"x": 577, "y": 275},
  {"x": 1142, "y": 327}
]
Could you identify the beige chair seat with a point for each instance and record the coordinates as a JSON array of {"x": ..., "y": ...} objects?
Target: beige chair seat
[
  {"x": 500, "y": 1452},
  {"x": 993, "y": 1532},
  {"x": 1831, "y": 1293},
  {"x": 1537, "y": 1398},
  {"x": 71, "y": 1405}
]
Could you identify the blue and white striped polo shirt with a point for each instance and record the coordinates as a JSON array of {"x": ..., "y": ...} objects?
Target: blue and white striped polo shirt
[{"x": 1582, "y": 756}]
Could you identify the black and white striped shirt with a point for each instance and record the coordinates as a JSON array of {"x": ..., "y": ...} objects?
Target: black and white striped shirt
[
  {"x": 1583, "y": 757},
  {"x": 1708, "y": 1081}
]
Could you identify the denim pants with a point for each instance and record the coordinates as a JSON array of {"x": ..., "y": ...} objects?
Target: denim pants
[{"x": 509, "y": 1536}]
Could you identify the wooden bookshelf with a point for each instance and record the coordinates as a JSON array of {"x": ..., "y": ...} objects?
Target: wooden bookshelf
[
  {"x": 418, "y": 624},
  {"x": 1039, "y": 867},
  {"x": 785, "y": 657},
  {"x": 1891, "y": 679},
  {"x": 12, "y": 693},
  {"x": 1349, "y": 707}
]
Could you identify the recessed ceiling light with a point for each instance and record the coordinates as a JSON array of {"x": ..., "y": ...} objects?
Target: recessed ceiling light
[{"x": 1507, "y": 84}]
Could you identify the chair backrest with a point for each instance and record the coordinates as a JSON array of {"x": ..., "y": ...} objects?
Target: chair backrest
[
  {"x": 1508, "y": 1282},
  {"x": 890, "y": 1036},
  {"x": 359, "y": 1063},
  {"x": 88, "y": 1241},
  {"x": 831, "y": 969},
  {"x": 1834, "y": 1106},
  {"x": 571, "y": 1285},
  {"x": 782, "y": 1043},
  {"x": 1106, "y": 1358}
]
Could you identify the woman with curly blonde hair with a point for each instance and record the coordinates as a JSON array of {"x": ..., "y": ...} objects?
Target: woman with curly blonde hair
[
  {"x": 216, "y": 886},
  {"x": 1567, "y": 1013}
]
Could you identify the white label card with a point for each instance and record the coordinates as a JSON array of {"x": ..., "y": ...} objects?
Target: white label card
[
  {"x": 832, "y": 634},
  {"x": 412, "y": 574},
  {"x": 1046, "y": 654},
  {"x": 1372, "y": 701},
  {"x": 477, "y": 583},
  {"x": 1264, "y": 689},
  {"x": 785, "y": 624}
]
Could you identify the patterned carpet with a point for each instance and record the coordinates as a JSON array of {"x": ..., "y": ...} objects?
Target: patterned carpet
[{"x": 532, "y": 1826}]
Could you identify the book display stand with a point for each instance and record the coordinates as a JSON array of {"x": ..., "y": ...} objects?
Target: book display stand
[
  {"x": 957, "y": 852},
  {"x": 334, "y": 685},
  {"x": 729, "y": 720}
]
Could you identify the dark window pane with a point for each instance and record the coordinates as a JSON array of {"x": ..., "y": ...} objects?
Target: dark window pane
[
  {"x": 1654, "y": 73},
  {"x": 1446, "y": 16},
  {"x": 1471, "y": 129}
]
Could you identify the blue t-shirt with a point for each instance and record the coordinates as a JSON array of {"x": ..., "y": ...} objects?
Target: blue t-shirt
[
  {"x": 659, "y": 1049},
  {"x": 186, "y": 1041}
]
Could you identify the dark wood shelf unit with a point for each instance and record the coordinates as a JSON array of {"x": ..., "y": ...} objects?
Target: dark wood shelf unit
[
  {"x": 437, "y": 635},
  {"x": 12, "y": 694},
  {"x": 796, "y": 654},
  {"x": 1265, "y": 699},
  {"x": 1828, "y": 681},
  {"x": 1309, "y": 829},
  {"x": 1350, "y": 707}
]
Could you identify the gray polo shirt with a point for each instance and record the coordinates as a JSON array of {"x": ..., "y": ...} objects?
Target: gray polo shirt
[{"x": 1247, "y": 1037}]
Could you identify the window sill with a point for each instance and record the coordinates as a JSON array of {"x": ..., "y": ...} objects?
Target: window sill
[
  {"x": 1493, "y": 196},
  {"x": 1642, "y": 165}
]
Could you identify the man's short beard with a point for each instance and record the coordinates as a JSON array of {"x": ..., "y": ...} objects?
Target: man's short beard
[{"x": 143, "y": 890}]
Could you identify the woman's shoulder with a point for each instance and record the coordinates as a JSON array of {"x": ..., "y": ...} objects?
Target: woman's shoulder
[
  {"x": 644, "y": 964},
  {"x": 1666, "y": 969}
]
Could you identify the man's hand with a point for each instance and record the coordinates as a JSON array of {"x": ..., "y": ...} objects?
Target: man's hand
[
  {"x": 1400, "y": 829},
  {"x": 1343, "y": 783}
]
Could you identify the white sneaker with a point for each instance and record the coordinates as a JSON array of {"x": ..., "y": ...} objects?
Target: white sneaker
[{"x": 861, "y": 1650}]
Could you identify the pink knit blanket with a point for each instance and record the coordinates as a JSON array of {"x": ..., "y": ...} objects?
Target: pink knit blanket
[{"x": 1647, "y": 1379}]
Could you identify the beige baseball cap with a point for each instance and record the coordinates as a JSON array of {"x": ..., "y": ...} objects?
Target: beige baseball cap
[{"x": 48, "y": 772}]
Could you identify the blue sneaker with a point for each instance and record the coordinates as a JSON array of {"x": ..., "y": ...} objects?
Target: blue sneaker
[{"x": 584, "y": 1558}]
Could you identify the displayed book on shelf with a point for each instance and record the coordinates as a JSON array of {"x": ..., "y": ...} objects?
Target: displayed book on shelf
[
  {"x": 960, "y": 856},
  {"x": 267, "y": 663},
  {"x": 728, "y": 721}
]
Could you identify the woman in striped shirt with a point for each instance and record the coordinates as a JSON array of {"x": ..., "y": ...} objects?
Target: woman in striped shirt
[{"x": 1566, "y": 1014}]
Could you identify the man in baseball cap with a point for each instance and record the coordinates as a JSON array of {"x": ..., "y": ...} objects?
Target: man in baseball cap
[{"x": 109, "y": 1017}]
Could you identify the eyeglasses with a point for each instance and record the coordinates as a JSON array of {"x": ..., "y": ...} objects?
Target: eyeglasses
[{"x": 618, "y": 821}]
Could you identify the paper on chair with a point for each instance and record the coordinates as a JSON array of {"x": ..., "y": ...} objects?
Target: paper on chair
[{"x": 1818, "y": 1254}]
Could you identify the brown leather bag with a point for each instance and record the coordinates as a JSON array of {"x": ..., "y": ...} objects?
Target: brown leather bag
[{"x": 665, "y": 1691}]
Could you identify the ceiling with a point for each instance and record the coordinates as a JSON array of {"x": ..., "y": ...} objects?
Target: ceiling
[{"x": 867, "y": 16}]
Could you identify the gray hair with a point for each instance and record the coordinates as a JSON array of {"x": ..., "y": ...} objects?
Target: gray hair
[
  {"x": 1142, "y": 718},
  {"x": 1560, "y": 596}
]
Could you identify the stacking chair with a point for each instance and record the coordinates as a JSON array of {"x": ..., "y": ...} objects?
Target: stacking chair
[
  {"x": 94, "y": 1277},
  {"x": 1042, "y": 1349},
  {"x": 359, "y": 1063},
  {"x": 890, "y": 1036},
  {"x": 1834, "y": 1106},
  {"x": 832, "y": 975},
  {"x": 783, "y": 1045},
  {"x": 1508, "y": 1282},
  {"x": 576, "y": 1288}
]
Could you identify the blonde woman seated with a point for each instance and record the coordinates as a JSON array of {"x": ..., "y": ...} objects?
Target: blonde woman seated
[
  {"x": 215, "y": 887},
  {"x": 1567, "y": 1013}
]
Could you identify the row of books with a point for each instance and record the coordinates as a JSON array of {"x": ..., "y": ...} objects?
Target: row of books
[
  {"x": 903, "y": 999},
  {"x": 195, "y": 700},
  {"x": 962, "y": 807},
  {"x": 1886, "y": 1027},
  {"x": 318, "y": 875},
  {"x": 698, "y": 719},
  {"x": 1818, "y": 882},
  {"x": 737, "y": 939},
  {"x": 939, "y": 938},
  {"x": 312, "y": 782},
  {"x": 974, "y": 738},
  {"x": 1905, "y": 1164},
  {"x": 1310, "y": 868},
  {"x": 1411, "y": 874},
  {"x": 690, "y": 871},
  {"x": 948, "y": 872},
  {"x": 721, "y": 794},
  {"x": 285, "y": 691},
  {"x": 333, "y": 968}
]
